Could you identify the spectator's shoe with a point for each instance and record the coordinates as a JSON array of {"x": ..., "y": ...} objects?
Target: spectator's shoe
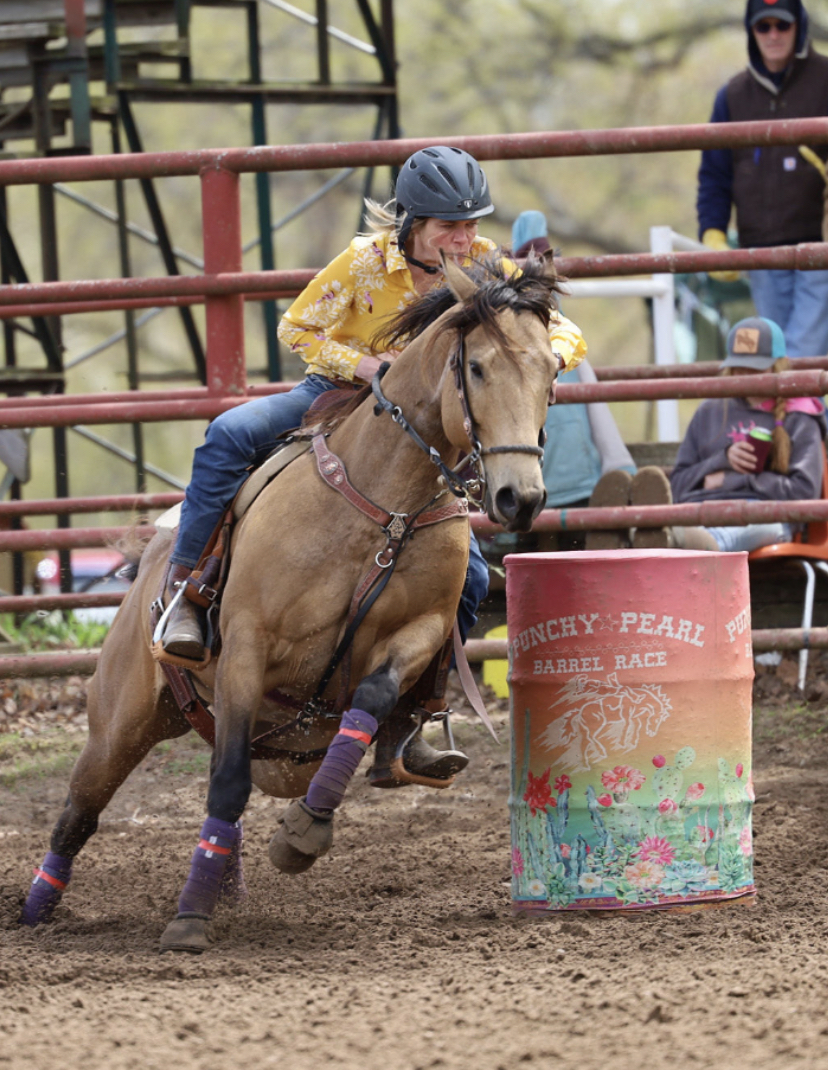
[
  {"x": 612, "y": 489},
  {"x": 650, "y": 486}
]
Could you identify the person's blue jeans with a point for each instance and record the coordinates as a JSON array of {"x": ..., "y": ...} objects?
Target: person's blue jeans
[
  {"x": 798, "y": 302},
  {"x": 234, "y": 441},
  {"x": 751, "y": 536},
  {"x": 245, "y": 436}
]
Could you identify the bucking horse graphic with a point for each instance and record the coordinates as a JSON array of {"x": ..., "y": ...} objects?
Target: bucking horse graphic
[{"x": 602, "y": 717}]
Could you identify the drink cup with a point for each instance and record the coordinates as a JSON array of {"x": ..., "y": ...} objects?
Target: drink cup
[{"x": 762, "y": 443}]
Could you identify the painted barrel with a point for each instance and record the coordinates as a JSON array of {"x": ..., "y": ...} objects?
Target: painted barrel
[{"x": 631, "y": 676}]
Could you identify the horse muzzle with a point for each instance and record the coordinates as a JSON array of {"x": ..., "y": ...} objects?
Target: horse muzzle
[{"x": 515, "y": 510}]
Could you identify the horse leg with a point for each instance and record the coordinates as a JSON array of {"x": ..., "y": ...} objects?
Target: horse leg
[
  {"x": 215, "y": 867},
  {"x": 116, "y": 745},
  {"x": 233, "y": 888},
  {"x": 306, "y": 830}
]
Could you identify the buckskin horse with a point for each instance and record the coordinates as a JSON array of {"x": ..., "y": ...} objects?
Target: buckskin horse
[{"x": 474, "y": 379}]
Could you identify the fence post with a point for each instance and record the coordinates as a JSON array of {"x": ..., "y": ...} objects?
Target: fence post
[
  {"x": 661, "y": 241},
  {"x": 221, "y": 220}
]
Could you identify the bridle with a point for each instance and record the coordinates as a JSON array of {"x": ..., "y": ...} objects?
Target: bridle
[{"x": 471, "y": 489}]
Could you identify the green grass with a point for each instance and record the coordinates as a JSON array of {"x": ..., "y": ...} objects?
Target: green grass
[
  {"x": 798, "y": 721},
  {"x": 36, "y": 757},
  {"x": 53, "y": 631}
]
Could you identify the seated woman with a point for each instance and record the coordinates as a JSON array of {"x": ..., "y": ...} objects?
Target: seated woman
[{"x": 722, "y": 455}]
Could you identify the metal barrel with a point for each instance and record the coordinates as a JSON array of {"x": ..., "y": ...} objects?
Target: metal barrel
[{"x": 630, "y": 675}]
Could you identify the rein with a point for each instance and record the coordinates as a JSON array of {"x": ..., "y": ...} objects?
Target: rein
[{"x": 461, "y": 488}]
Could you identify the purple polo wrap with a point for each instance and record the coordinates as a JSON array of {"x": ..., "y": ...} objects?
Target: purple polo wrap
[
  {"x": 327, "y": 788},
  {"x": 47, "y": 888},
  {"x": 210, "y": 859}
]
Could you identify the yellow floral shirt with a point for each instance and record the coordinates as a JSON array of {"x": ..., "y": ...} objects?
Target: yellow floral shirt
[{"x": 331, "y": 323}]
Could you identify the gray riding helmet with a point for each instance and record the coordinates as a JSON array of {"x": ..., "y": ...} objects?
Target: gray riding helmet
[{"x": 440, "y": 182}]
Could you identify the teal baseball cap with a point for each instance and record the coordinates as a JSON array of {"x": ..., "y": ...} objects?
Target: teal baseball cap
[{"x": 754, "y": 343}]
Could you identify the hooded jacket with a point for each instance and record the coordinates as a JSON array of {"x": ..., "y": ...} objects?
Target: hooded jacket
[{"x": 777, "y": 193}]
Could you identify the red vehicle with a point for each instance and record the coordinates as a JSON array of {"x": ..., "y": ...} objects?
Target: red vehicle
[{"x": 92, "y": 570}]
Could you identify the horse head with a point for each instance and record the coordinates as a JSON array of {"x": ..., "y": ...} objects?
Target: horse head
[{"x": 497, "y": 387}]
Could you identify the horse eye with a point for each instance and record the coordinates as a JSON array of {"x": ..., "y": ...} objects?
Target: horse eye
[{"x": 475, "y": 369}]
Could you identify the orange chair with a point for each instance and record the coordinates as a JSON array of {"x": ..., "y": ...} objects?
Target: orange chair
[{"x": 809, "y": 549}]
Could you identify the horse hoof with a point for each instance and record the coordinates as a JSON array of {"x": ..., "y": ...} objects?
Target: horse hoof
[
  {"x": 186, "y": 933},
  {"x": 303, "y": 836}
]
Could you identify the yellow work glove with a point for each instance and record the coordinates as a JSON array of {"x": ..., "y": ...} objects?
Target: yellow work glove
[
  {"x": 717, "y": 239},
  {"x": 812, "y": 158}
]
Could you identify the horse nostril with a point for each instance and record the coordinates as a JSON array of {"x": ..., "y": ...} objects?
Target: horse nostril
[{"x": 506, "y": 503}]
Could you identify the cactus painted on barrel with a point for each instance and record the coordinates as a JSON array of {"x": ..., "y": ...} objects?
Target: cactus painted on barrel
[
  {"x": 668, "y": 780},
  {"x": 519, "y": 815}
]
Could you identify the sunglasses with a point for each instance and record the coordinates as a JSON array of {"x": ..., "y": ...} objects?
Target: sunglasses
[{"x": 766, "y": 25}]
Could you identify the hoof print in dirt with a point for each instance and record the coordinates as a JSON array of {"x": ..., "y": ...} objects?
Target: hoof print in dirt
[
  {"x": 188, "y": 933},
  {"x": 303, "y": 836}
]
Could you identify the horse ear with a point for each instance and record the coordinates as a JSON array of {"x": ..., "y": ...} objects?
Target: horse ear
[
  {"x": 457, "y": 280},
  {"x": 548, "y": 258}
]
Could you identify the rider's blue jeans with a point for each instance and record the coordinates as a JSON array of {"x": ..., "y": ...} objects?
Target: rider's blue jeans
[{"x": 244, "y": 436}]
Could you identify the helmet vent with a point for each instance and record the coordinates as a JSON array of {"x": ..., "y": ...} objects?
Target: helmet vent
[
  {"x": 449, "y": 177},
  {"x": 429, "y": 184}
]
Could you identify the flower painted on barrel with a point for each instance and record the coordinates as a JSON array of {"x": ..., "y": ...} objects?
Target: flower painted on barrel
[
  {"x": 590, "y": 882},
  {"x": 538, "y": 792},
  {"x": 667, "y": 807},
  {"x": 604, "y": 800},
  {"x": 517, "y": 861},
  {"x": 536, "y": 889},
  {"x": 694, "y": 792},
  {"x": 704, "y": 833},
  {"x": 655, "y": 849},
  {"x": 746, "y": 842},
  {"x": 566, "y": 850},
  {"x": 622, "y": 780},
  {"x": 562, "y": 784},
  {"x": 644, "y": 874}
]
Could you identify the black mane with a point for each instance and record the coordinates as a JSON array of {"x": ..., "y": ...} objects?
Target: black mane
[{"x": 529, "y": 290}]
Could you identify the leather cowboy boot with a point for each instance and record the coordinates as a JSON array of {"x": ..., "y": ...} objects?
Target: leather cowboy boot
[
  {"x": 403, "y": 757},
  {"x": 184, "y": 631}
]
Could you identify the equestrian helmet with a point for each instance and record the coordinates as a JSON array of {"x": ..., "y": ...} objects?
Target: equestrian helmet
[{"x": 440, "y": 182}]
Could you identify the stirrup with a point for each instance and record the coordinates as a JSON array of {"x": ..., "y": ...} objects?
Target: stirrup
[
  {"x": 157, "y": 644},
  {"x": 397, "y": 775}
]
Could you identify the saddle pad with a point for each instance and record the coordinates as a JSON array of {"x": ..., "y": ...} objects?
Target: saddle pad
[
  {"x": 257, "y": 482},
  {"x": 169, "y": 521}
]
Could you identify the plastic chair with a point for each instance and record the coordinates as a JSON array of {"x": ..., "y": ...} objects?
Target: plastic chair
[{"x": 808, "y": 550}]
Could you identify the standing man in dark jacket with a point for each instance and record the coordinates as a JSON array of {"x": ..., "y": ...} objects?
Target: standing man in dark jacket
[{"x": 778, "y": 194}]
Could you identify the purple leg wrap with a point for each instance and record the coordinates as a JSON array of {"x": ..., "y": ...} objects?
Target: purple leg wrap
[
  {"x": 200, "y": 893},
  {"x": 233, "y": 888},
  {"x": 46, "y": 890},
  {"x": 344, "y": 755}
]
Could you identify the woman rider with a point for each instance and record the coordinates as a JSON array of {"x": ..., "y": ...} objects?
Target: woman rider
[{"x": 440, "y": 194}]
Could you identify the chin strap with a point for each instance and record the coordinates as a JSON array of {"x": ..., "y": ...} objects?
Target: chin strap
[{"x": 418, "y": 263}]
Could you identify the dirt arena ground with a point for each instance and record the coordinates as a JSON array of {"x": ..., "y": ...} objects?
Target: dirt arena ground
[{"x": 399, "y": 950}]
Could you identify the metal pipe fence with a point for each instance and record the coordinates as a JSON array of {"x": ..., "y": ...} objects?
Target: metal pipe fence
[{"x": 223, "y": 287}]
